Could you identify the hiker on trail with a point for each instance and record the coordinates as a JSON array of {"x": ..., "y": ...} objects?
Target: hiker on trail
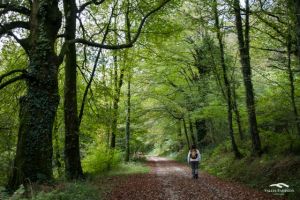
[{"x": 193, "y": 159}]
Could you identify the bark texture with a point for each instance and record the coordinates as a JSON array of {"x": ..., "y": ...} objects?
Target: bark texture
[
  {"x": 226, "y": 83},
  {"x": 243, "y": 40},
  {"x": 128, "y": 119},
  {"x": 73, "y": 167},
  {"x": 297, "y": 13},
  {"x": 33, "y": 161},
  {"x": 186, "y": 133},
  {"x": 118, "y": 82}
]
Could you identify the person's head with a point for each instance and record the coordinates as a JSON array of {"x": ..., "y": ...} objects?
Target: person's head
[{"x": 194, "y": 146}]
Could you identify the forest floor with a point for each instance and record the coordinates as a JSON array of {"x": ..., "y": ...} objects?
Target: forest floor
[{"x": 170, "y": 180}]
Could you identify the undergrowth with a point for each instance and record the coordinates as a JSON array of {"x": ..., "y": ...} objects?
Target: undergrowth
[
  {"x": 63, "y": 191},
  {"x": 101, "y": 159},
  {"x": 280, "y": 163},
  {"x": 129, "y": 168},
  {"x": 93, "y": 188}
]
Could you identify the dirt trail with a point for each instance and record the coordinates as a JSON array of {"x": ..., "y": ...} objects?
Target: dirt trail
[{"x": 170, "y": 180}]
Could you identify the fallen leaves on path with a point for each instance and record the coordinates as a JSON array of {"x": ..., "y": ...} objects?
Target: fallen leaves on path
[{"x": 169, "y": 180}]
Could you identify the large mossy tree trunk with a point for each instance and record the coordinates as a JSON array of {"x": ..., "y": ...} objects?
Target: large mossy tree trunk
[
  {"x": 73, "y": 167},
  {"x": 243, "y": 40},
  {"x": 33, "y": 160}
]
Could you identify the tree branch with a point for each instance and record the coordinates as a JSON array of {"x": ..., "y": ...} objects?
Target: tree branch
[
  {"x": 131, "y": 42},
  {"x": 272, "y": 26},
  {"x": 174, "y": 115},
  {"x": 277, "y": 67},
  {"x": 100, "y": 45},
  {"x": 94, "y": 68},
  {"x": 83, "y": 6},
  {"x": 17, "y": 78},
  {"x": 5, "y": 28},
  {"x": 269, "y": 49},
  {"x": 14, "y": 8},
  {"x": 12, "y": 72},
  {"x": 277, "y": 17},
  {"x": 270, "y": 35}
]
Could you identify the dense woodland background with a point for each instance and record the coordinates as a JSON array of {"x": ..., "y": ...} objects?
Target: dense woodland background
[{"x": 86, "y": 85}]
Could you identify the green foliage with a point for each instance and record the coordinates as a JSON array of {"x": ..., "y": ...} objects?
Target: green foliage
[
  {"x": 11, "y": 58},
  {"x": 69, "y": 191},
  {"x": 175, "y": 72},
  {"x": 280, "y": 143},
  {"x": 180, "y": 156},
  {"x": 18, "y": 194},
  {"x": 217, "y": 155},
  {"x": 129, "y": 168},
  {"x": 86, "y": 190},
  {"x": 257, "y": 172},
  {"x": 138, "y": 157},
  {"x": 3, "y": 193},
  {"x": 80, "y": 191},
  {"x": 100, "y": 159}
]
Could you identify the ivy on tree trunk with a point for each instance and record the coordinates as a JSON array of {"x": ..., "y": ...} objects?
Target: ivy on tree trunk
[{"x": 33, "y": 161}]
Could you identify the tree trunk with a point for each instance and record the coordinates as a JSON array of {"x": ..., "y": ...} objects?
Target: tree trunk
[
  {"x": 72, "y": 152},
  {"x": 297, "y": 13},
  {"x": 107, "y": 102},
  {"x": 246, "y": 71},
  {"x": 115, "y": 106},
  {"x": 201, "y": 130},
  {"x": 186, "y": 133},
  {"x": 57, "y": 157},
  {"x": 118, "y": 85},
  {"x": 226, "y": 83},
  {"x": 292, "y": 84},
  {"x": 127, "y": 155},
  {"x": 33, "y": 160},
  {"x": 192, "y": 131},
  {"x": 237, "y": 114},
  {"x": 181, "y": 143}
]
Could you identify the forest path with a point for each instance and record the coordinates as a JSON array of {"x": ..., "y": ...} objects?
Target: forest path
[{"x": 170, "y": 180}]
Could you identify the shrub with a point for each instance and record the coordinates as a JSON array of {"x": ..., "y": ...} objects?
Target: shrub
[
  {"x": 280, "y": 143},
  {"x": 100, "y": 159},
  {"x": 180, "y": 156},
  {"x": 277, "y": 164}
]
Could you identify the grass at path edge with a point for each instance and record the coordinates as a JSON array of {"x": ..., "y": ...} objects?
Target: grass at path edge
[{"x": 93, "y": 188}]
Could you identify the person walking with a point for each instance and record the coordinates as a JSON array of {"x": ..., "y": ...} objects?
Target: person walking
[{"x": 194, "y": 158}]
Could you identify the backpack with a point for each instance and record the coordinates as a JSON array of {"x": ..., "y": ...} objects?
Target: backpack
[{"x": 194, "y": 154}]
